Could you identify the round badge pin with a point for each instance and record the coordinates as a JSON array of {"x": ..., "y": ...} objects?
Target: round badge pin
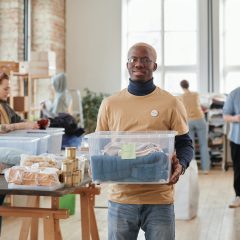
[{"x": 154, "y": 113}]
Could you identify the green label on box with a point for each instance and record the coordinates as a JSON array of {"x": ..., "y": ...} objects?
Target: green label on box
[{"x": 128, "y": 151}]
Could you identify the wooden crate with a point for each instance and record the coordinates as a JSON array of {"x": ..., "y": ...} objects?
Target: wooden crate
[{"x": 20, "y": 103}]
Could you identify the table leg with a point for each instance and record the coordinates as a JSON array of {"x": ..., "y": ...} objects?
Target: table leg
[
  {"x": 84, "y": 205},
  {"x": 27, "y": 223},
  {"x": 56, "y": 224},
  {"x": 93, "y": 222},
  {"x": 49, "y": 230},
  {"x": 88, "y": 220}
]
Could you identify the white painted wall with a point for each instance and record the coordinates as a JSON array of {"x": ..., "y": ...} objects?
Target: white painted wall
[{"x": 93, "y": 49}]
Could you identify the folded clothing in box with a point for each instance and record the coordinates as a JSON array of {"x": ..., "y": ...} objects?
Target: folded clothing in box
[{"x": 150, "y": 168}]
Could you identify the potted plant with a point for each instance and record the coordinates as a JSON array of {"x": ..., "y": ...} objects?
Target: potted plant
[{"x": 91, "y": 102}]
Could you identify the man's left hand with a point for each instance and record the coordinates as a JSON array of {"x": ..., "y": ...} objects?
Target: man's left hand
[{"x": 176, "y": 170}]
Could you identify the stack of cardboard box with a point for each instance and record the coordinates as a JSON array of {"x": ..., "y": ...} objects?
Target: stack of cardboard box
[{"x": 42, "y": 63}]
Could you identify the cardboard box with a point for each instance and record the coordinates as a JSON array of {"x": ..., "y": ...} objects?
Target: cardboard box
[
  {"x": 20, "y": 103},
  {"x": 42, "y": 63},
  {"x": 48, "y": 56}
]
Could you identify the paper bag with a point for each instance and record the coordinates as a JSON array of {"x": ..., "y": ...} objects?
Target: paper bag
[{"x": 187, "y": 193}]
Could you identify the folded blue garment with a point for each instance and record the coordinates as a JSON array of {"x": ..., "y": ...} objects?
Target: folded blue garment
[{"x": 150, "y": 168}]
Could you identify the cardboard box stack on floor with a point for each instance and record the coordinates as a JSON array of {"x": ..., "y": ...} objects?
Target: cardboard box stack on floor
[{"x": 42, "y": 63}]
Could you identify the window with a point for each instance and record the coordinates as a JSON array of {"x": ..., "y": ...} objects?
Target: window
[
  {"x": 230, "y": 47},
  {"x": 171, "y": 27}
]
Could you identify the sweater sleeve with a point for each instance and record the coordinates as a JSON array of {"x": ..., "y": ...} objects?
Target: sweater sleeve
[{"x": 184, "y": 149}]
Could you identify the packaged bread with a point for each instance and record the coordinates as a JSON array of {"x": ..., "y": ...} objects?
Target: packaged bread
[
  {"x": 40, "y": 161},
  {"x": 14, "y": 174},
  {"x": 29, "y": 178},
  {"x": 32, "y": 176}
]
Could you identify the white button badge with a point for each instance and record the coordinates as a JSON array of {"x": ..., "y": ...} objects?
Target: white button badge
[{"x": 154, "y": 113}]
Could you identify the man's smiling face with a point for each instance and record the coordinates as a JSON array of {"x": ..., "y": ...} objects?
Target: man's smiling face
[{"x": 141, "y": 64}]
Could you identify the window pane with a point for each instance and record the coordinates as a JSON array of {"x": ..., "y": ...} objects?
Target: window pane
[
  {"x": 180, "y": 48},
  {"x": 232, "y": 48},
  {"x": 157, "y": 78},
  {"x": 172, "y": 81},
  {"x": 232, "y": 81},
  {"x": 153, "y": 38},
  {"x": 232, "y": 16},
  {"x": 144, "y": 15},
  {"x": 180, "y": 15}
]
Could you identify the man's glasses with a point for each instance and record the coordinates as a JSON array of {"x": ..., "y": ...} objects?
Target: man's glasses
[{"x": 144, "y": 60}]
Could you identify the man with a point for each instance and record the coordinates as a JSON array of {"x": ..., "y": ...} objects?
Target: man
[
  {"x": 144, "y": 107},
  {"x": 196, "y": 122},
  {"x": 231, "y": 114}
]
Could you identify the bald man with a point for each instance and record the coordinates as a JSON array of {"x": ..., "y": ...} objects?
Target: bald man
[{"x": 145, "y": 107}]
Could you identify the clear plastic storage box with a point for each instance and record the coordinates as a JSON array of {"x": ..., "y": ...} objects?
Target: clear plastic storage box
[
  {"x": 131, "y": 157},
  {"x": 27, "y": 144},
  {"x": 42, "y": 144},
  {"x": 55, "y": 140}
]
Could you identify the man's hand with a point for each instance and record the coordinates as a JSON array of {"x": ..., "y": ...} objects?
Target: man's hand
[{"x": 176, "y": 170}]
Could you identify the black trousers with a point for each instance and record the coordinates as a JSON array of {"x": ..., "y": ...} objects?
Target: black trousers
[
  {"x": 235, "y": 154},
  {"x": 1, "y": 202}
]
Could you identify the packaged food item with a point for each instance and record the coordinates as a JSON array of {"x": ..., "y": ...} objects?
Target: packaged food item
[
  {"x": 38, "y": 161},
  {"x": 22, "y": 175}
]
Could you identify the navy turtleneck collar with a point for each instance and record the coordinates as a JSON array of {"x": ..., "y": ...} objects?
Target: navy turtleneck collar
[{"x": 139, "y": 88}]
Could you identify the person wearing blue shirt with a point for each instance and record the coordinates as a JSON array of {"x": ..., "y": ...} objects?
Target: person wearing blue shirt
[{"x": 231, "y": 114}]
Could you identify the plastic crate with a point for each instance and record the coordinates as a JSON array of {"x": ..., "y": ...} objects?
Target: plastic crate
[
  {"x": 55, "y": 140},
  {"x": 27, "y": 144},
  {"x": 42, "y": 144},
  {"x": 131, "y": 157}
]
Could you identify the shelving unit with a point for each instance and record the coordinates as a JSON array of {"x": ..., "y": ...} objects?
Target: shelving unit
[
  {"x": 216, "y": 134},
  {"x": 27, "y": 102}
]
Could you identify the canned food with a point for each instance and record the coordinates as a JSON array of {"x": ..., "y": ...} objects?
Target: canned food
[
  {"x": 70, "y": 152},
  {"x": 67, "y": 179},
  {"x": 75, "y": 164},
  {"x": 76, "y": 178},
  {"x": 67, "y": 166}
]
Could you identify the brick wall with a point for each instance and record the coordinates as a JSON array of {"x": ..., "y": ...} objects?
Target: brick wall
[
  {"x": 11, "y": 30},
  {"x": 11, "y": 34},
  {"x": 48, "y": 33},
  {"x": 48, "y": 28}
]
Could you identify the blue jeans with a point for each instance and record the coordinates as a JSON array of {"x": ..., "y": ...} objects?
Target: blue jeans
[
  {"x": 199, "y": 127},
  {"x": 156, "y": 220}
]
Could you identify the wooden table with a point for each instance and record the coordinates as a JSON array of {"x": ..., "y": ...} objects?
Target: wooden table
[{"x": 51, "y": 216}]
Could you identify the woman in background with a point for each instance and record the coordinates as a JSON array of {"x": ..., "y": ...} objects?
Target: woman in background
[
  {"x": 197, "y": 123},
  {"x": 9, "y": 120}
]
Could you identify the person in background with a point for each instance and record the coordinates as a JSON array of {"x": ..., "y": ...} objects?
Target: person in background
[
  {"x": 231, "y": 114},
  {"x": 196, "y": 122},
  {"x": 9, "y": 120},
  {"x": 62, "y": 101},
  {"x": 60, "y": 113},
  {"x": 145, "y": 107}
]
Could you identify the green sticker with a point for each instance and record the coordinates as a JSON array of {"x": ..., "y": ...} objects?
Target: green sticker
[{"x": 128, "y": 151}]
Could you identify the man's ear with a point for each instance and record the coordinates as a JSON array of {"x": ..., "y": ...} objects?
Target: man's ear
[{"x": 155, "y": 67}]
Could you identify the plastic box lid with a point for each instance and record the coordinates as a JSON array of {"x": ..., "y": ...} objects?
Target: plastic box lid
[
  {"x": 47, "y": 130},
  {"x": 127, "y": 134}
]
